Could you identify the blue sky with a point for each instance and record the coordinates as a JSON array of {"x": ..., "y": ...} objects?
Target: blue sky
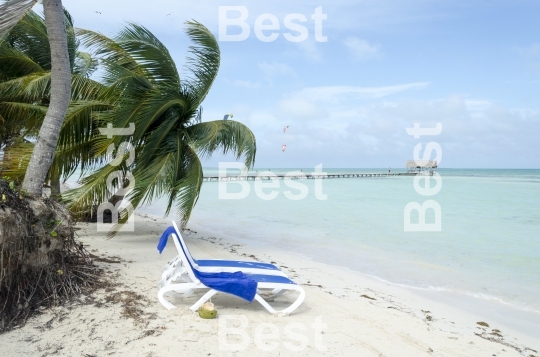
[{"x": 473, "y": 66}]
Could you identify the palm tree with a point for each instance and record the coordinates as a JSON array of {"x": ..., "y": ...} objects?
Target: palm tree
[
  {"x": 43, "y": 153},
  {"x": 165, "y": 108},
  {"x": 25, "y": 83}
]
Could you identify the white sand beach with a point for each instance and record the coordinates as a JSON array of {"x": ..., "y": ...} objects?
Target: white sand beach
[{"x": 344, "y": 313}]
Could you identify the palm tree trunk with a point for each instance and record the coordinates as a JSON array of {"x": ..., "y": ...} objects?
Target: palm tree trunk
[
  {"x": 56, "y": 191},
  {"x": 42, "y": 156}
]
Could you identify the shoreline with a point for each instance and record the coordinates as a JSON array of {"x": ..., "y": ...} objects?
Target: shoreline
[
  {"x": 467, "y": 308},
  {"x": 522, "y": 321},
  {"x": 362, "y": 316}
]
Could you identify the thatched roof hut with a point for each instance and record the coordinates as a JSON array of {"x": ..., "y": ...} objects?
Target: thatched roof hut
[{"x": 421, "y": 164}]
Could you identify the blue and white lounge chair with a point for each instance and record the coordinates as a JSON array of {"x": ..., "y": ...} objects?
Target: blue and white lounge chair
[
  {"x": 214, "y": 265},
  {"x": 248, "y": 286}
]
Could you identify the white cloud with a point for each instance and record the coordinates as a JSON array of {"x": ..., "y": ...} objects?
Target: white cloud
[
  {"x": 341, "y": 93},
  {"x": 311, "y": 50},
  {"x": 246, "y": 84},
  {"x": 476, "y": 132},
  {"x": 276, "y": 69},
  {"x": 477, "y": 108},
  {"x": 362, "y": 49},
  {"x": 478, "y": 105},
  {"x": 298, "y": 108}
]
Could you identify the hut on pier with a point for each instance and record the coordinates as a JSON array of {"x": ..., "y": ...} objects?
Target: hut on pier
[{"x": 421, "y": 165}]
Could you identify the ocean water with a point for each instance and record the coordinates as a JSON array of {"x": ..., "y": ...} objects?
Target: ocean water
[{"x": 488, "y": 247}]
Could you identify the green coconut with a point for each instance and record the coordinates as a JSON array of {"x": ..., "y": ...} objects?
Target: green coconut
[{"x": 207, "y": 311}]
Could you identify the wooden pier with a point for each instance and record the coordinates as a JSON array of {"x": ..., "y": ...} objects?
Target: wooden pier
[{"x": 310, "y": 176}]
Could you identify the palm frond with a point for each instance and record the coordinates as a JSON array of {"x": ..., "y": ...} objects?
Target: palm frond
[
  {"x": 203, "y": 61},
  {"x": 122, "y": 80},
  {"x": 156, "y": 143},
  {"x": 227, "y": 136},
  {"x": 32, "y": 88},
  {"x": 151, "y": 180},
  {"x": 102, "y": 46},
  {"x": 15, "y": 63},
  {"x": 15, "y": 160},
  {"x": 186, "y": 185},
  {"x": 85, "y": 64},
  {"x": 72, "y": 41},
  {"x": 149, "y": 53},
  {"x": 84, "y": 88},
  {"x": 35, "y": 87},
  {"x": 93, "y": 190},
  {"x": 78, "y": 138},
  {"x": 12, "y": 12},
  {"x": 30, "y": 37},
  {"x": 151, "y": 114},
  {"x": 29, "y": 114}
]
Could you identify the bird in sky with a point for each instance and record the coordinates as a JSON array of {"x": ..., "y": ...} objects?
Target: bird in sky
[
  {"x": 97, "y": 12},
  {"x": 170, "y": 13}
]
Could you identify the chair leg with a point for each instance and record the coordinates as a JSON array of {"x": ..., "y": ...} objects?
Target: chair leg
[
  {"x": 173, "y": 287},
  {"x": 265, "y": 304},
  {"x": 289, "y": 309},
  {"x": 203, "y": 299}
]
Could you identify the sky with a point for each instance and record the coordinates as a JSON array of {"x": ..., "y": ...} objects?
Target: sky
[{"x": 353, "y": 82}]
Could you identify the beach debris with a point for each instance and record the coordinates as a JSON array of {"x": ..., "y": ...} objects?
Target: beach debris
[
  {"x": 227, "y": 116},
  {"x": 316, "y": 285},
  {"x": 283, "y": 147},
  {"x": 367, "y": 297},
  {"x": 207, "y": 311},
  {"x": 482, "y": 323},
  {"x": 285, "y": 128}
]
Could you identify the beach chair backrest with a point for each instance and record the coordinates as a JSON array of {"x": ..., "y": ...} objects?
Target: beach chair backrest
[
  {"x": 163, "y": 242},
  {"x": 188, "y": 266},
  {"x": 184, "y": 247}
]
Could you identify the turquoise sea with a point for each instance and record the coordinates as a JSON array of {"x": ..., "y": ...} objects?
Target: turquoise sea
[{"x": 488, "y": 248}]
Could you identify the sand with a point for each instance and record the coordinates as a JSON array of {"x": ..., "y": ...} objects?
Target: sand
[{"x": 344, "y": 313}]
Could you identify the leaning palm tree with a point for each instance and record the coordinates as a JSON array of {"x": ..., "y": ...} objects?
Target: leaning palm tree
[
  {"x": 31, "y": 255},
  {"x": 25, "y": 84},
  {"x": 42, "y": 155},
  {"x": 165, "y": 110}
]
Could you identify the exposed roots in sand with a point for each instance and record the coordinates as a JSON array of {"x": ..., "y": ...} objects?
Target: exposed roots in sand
[{"x": 41, "y": 264}]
